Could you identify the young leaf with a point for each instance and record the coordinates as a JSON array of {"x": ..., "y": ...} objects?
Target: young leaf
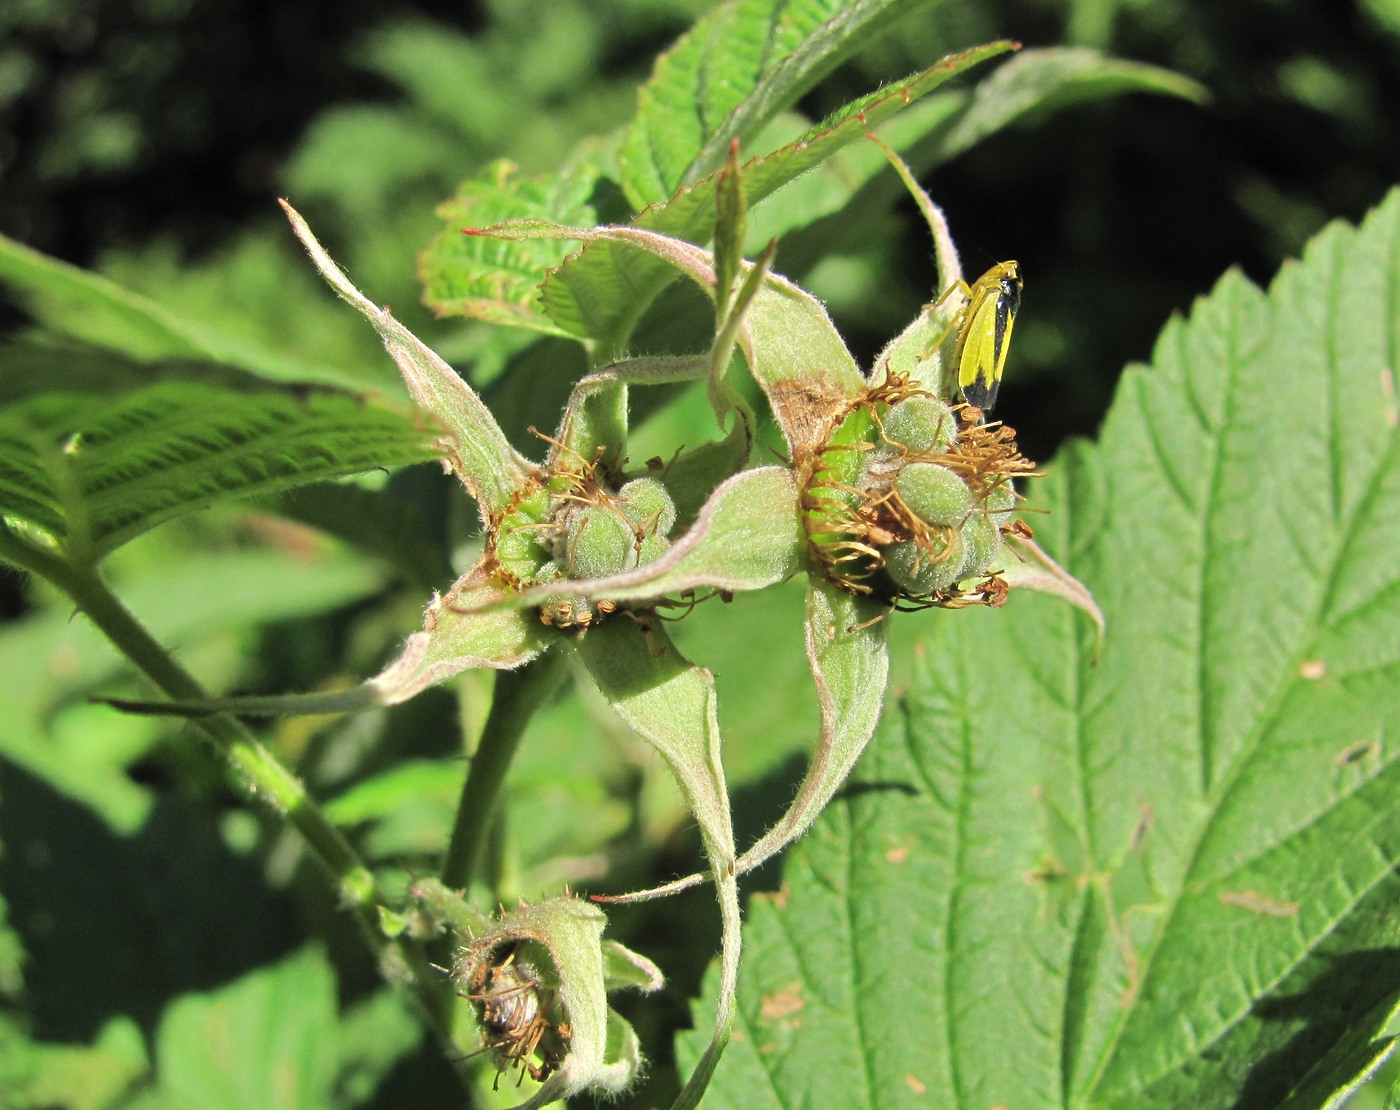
[
  {"x": 1048, "y": 79},
  {"x": 671, "y": 703},
  {"x": 91, "y": 472},
  {"x": 733, "y": 72},
  {"x": 497, "y": 281},
  {"x": 1168, "y": 878},
  {"x": 595, "y": 293},
  {"x": 1037, "y": 80}
]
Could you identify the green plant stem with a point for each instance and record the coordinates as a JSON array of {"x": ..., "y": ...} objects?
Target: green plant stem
[
  {"x": 518, "y": 694},
  {"x": 258, "y": 770}
]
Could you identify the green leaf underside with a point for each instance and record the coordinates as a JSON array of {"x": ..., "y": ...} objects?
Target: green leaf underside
[
  {"x": 596, "y": 292},
  {"x": 461, "y": 632},
  {"x": 730, "y": 74},
  {"x": 472, "y": 442},
  {"x": 671, "y": 703},
  {"x": 93, "y": 472},
  {"x": 1167, "y": 879}
]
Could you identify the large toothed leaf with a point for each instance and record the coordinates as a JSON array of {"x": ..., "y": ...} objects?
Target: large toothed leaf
[
  {"x": 473, "y": 443},
  {"x": 91, "y": 472},
  {"x": 1168, "y": 878}
]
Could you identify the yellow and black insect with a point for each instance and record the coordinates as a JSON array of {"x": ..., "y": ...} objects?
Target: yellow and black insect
[{"x": 984, "y": 331}]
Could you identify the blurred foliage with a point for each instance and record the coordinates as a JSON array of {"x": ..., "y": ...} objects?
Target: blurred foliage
[{"x": 148, "y": 140}]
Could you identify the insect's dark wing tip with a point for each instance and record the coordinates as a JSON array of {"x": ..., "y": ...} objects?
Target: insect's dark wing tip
[{"x": 980, "y": 393}]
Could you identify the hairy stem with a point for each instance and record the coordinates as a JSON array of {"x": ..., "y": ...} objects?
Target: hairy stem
[
  {"x": 259, "y": 772},
  {"x": 518, "y": 694}
]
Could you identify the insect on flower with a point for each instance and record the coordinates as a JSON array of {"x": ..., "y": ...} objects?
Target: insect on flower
[
  {"x": 519, "y": 1012},
  {"x": 984, "y": 331}
]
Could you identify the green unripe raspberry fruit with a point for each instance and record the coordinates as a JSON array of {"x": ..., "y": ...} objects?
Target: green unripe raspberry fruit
[
  {"x": 1001, "y": 498},
  {"x": 982, "y": 542},
  {"x": 919, "y": 571},
  {"x": 518, "y": 546},
  {"x": 648, "y": 505},
  {"x": 843, "y": 456},
  {"x": 933, "y": 493},
  {"x": 601, "y": 542},
  {"x": 921, "y": 425}
]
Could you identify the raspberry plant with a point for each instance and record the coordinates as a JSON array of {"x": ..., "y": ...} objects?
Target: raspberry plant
[{"x": 1076, "y": 884}]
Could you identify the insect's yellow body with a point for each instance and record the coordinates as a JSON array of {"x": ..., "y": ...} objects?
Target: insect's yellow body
[{"x": 984, "y": 331}]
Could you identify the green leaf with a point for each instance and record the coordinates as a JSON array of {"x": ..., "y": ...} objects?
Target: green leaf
[
  {"x": 601, "y": 291},
  {"x": 272, "y": 1039},
  {"x": 1168, "y": 878},
  {"x": 76, "y": 1077},
  {"x": 195, "y": 319},
  {"x": 91, "y": 472},
  {"x": 52, "y": 662},
  {"x": 87, "y": 306},
  {"x": 465, "y": 275},
  {"x": 671, "y": 704},
  {"x": 730, "y": 74},
  {"x": 1046, "y": 80},
  {"x": 1350, "y": 1065},
  {"x": 384, "y": 795},
  {"x": 374, "y": 1035}
]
